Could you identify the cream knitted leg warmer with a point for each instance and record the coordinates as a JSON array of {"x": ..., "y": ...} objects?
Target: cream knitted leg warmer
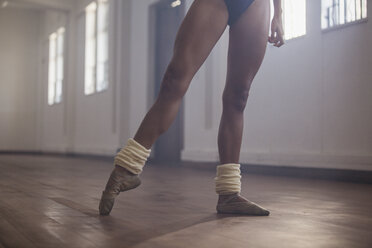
[
  {"x": 228, "y": 187},
  {"x": 228, "y": 179},
  {"x": 132, "y": 157}
]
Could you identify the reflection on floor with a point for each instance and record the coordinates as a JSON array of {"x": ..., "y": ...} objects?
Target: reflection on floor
[{"x": 48, "y": 201}]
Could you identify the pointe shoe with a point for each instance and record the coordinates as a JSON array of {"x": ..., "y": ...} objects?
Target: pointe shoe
[
  {"x": 236, "y": 204},
  {"x": 120, "y": 180}
]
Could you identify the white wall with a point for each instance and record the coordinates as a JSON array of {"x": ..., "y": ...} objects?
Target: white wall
[
  {"x": 310, "y": 104},
  {"x": 19, "y": 38}
]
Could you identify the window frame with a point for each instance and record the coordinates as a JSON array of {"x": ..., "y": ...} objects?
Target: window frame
[
  {"x": 56, "y": 56},
  {"x": 346, "y": 23},
  {"x": 284, "y": 23},
  {"x": 95, "y": 35}
]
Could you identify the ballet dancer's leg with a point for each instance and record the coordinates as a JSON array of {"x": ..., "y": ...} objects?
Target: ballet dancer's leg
[
  {"x": 200, "y": 30},
  {"x": 247, "y": 46},
  {"x": 202, "y": 27}
]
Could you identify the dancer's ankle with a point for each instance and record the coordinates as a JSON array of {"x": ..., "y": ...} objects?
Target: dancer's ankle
[
  {"x": 121, "y": 169},
  {"x": 226, "y": 197}
]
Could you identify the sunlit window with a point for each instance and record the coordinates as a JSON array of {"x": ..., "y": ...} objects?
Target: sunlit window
[
  {"x": 339, "y": 12},
  {"x": 55, "y": 71},
  {"x": 294, "y": 18},
  {"x": 96, "y": 47}
]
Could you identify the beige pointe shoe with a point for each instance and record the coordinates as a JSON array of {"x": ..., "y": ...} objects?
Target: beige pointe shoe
[
  {"x": 236, "y": 204},
  {"x": 120, "y": 180}
]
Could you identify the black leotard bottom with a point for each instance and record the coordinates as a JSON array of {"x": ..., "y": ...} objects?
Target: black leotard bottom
[{"x": 236, "y": 8}]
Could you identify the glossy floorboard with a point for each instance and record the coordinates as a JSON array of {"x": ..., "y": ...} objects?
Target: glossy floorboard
[{"x": 48, "y": 201}]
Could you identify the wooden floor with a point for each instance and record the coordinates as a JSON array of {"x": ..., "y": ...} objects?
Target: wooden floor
[{"x": 48, "y": 201}]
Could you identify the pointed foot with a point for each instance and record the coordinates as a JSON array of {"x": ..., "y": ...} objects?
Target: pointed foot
[{"x": 120, "y": 180}]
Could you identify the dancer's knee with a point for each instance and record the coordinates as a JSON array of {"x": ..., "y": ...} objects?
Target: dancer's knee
[
  {"x": 236, "y": 98},
  {"x": 175, "y": 82}
]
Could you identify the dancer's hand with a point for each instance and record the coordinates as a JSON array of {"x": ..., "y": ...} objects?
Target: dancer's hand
[{"x": 277, "y": 33}]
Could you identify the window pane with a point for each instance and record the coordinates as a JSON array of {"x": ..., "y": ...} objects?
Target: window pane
[
  {"x": 58, "y": 91},
  {"x": 90, "y": 52},
  {"x": 90, "y": 27},
  {"x": 102, "y": 15},
  {"x": 364, "y": 8},
  {"x": 341, "y": 12},
  {"x": 350, "y": 10},
  {"x": 60, "y": 68},
  {"x": 102, "y": 61},
  {"x": 102, "y": 45},
  {"x": 100, "y": 77},
  {"x": 325, "y": 13},
  {"x": 59, "y": 64},
  {"x": 51, "y": 81},
  {"x": 60, "y": 51},
  {"x": 89, "y": 80},
  {"x": 59, "y": 79},
  {"x": 51, "y": 69},
  {"x": 60, "y": 38},
  {"x": 294, "y": 18},
  {"x": 90, "y": 48},
  {"x": 90, "y": 65}
]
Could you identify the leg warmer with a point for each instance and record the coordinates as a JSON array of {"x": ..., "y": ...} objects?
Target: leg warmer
[
  {"x": 132, "y": 157},
  {"x": 228, "y": 179}
]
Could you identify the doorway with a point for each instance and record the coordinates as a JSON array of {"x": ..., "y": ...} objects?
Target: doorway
[{"x": 167, "y": 16}]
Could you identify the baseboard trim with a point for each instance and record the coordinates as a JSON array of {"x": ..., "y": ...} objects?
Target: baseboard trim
[
  {"x": 59, "y": 154},
  {"x": 345, "y": 175},
  {"x": 317, "y": 161}
]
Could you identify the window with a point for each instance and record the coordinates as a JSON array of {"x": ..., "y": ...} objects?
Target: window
[
  {"x": 340, "y": 12},
  {"x": 96, "y": 47},
  {"x": 55, "y": 71},
  {"x": 294, "y": 18}
]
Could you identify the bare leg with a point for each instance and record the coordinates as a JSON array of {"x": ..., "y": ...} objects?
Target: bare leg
[
  {"x": 247, "y": 46},
  {"x": 202, "y": 27}
]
